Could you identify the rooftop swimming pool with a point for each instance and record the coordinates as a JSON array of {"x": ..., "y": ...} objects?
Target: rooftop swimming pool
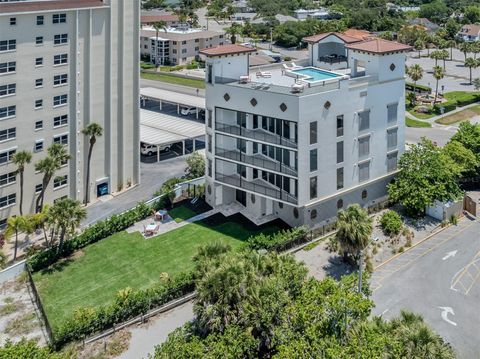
[{"x": 313, "y": 74}]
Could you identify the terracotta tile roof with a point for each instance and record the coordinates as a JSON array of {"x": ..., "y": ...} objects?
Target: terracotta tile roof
[
  {"x": 33, "y": 6},
  {"x": 378, "y": 46},
  {"x": 345, "y": 38},
  {"x": 226, "y": 50},
  {"x": 155, "y": 18},
  {"x": 470, "y": 29},
  {"x": 359, "y": 34}
]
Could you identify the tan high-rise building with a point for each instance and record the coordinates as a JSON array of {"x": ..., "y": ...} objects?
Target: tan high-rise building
[{"x": 64, "y": 64}]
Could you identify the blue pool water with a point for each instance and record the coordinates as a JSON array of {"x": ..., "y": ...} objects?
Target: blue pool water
[{"x": 315, "y": 74}]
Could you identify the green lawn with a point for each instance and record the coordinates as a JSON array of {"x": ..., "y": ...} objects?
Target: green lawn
[
  {"x": 416, "y": 123},
  {"x": 171, "y": 79},
  {"x": 461, "y": 96},
  {"x": 421, "y": 115},
  {"x": 181, "y": 213},
  {"x": 93, "y": 276}
]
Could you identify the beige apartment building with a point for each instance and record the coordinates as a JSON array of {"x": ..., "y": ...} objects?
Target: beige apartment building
[
  {"x": 177, "y": 46},
  {"x": 64, "y": 64}
]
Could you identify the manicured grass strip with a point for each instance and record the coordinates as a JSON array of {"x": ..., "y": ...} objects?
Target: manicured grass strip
[
  {"x": 181, "y": 213},
  {"x": 416, "y": 123},
  {"x": 165, "y": 77},
  {"x": 421, "y": 115},
  {"x": 460, "y": 116},
  {"x": 94, "y": 275}
]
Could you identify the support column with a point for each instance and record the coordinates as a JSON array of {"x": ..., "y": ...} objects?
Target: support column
[
  {"x": 158, "y": 153},
  {"x": 160, "y": 105},
  {"x": 194, "y": 144},
  {"x": 197, "y": 113},
  {"x": 178, "y": 109},
  {"x": 183, "y": 147}
]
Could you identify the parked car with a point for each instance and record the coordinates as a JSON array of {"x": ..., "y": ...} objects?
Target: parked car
[
  {"x": 146, "y": 149},
  {"x": 188, "y": 111}
]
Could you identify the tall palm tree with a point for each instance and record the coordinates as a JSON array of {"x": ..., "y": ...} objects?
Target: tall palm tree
[
  {"x": 354, "y": 230},
  {"x": 15, "y": 225},
  {"x": 415, "y": 72},
  {"x": 418, "y": 45},
  {"x": 158, "y": 25},
  {"x": 465, "y": 47},
  {"x": 66, "y": 214},
  {"x": 57, "y": 156},
  {"x": 451, "y": 45},
  {"x": 435, "y": 55},
  {"x": 438, "y": 74},
  {"x": 233, "y": 31},
  {"x": 93, "y": 130},
  {"x": 444, "y": 56},
  {"x": 21, "y": 159},
  {"x": 40, "y": 220},
  {"x": 471, "y": 63}
]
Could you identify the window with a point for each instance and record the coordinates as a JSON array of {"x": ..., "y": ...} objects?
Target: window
[
  {"x": 364, "y": 120},
  {"x": 60, "y": 181},
  {"x": 39, "y": 40},
  {"x": 209, "y": 144},
  {"x": 40, "y": 20},
  {"x": 61, "y": 139},
  {"x": 340, "y": 204},
  {"x": 38, "y": 83},
  {"x": 13, "y": 21},
  {"x": 184, "y": 51},
  {"x": 174, "y": 51},
  {"x": 197, "y": 48},
  {"x": 60, "y": 120},
  {"x": 6, "y": 156},
  {"x": 392, "y": 112},
  {"x": 8, "y": 45},
  {"x": 7, "y": 112},
  {"x": 8, "y": 134},
  {"x": 364, "y": 171},
  {"x": 184, "y": 42},
  {"x": 174, "y": 42},
  {"x": 39, "y": 61},
  {"x": 38, "y": 104},
  {"x": 60, "y": 79},
  {"x": 209, "y": 73},
  {"x": 197, "y": 40},
  {"x": 209, "y": 168},
  {"x": 364, "y": 146},
  {"x": 313, "y": 160},
  {"x": 8, "y": 200},
  {"x": 60, "y": 100},
  {"x": 313, "y": 214},
  {"x": 38, "y": 146},
  {"x": 38, "y": 188},
  {"x": 60, "y": 39},
  {"x": 209, "y": 118},
  {"x": 61, "y": 59},
  {"x": 38, "y": 125},
  {"x": 7, "y": 67},
  {"x": 340, "y": 178},
  {"x": 339, "y": 125},
  {"x": 313, "y": 187},
  {"x": 9, "y": 89},
  {"x": 184, "y": 59},
  {"x": 313, "y": 132},
  {"x": 59, "y": 18},
  {"x": 340, "y": 152},
  {"x": 391, "y": 161},
  {"x": 392, "y": 138},
  {"x": 8, "y": 178},
  {"x": 364, "y": 194},
  {"x": 3, "y": 223}
]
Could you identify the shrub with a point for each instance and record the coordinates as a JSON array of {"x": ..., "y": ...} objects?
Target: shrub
[
  {"x": 463, "y": 98},
  {"x": 420, "y": 88},
  {"x": 279, "y": 241},
  {"x": 146, "y": 65},
  {"x": 454, "y": 219},
  {"x": 447, "y": 107},
  {"x": 3, "y": 259},
  {"x": 391, "y": 223}
]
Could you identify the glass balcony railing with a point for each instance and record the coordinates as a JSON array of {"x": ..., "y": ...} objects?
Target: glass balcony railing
[
  {"x": 255, "y": 134},
  {"x": 258, "y": 186},
  {"x": 257, "y": 160}
]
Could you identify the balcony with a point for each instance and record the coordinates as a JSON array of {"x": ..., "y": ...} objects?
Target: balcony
[
  {"x": 254, "y": 134},
  {"x": 257, "y": 186},
  {"x": 257, "y": 160}
]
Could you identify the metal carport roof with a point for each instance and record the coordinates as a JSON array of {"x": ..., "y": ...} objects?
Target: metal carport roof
[{"x": 173, "y": 97}]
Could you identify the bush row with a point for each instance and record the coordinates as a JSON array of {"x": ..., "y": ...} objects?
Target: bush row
[
  {"x": 463, "y": 98},
  {"x": 420, "y": 88},
  {"x": 447, "y": 107},
  {"x": 128, "y": 304},
  {"x": 278, "y": 241}
]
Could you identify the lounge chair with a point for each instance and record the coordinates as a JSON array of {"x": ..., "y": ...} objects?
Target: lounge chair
[{"x": 294, "y": 65}]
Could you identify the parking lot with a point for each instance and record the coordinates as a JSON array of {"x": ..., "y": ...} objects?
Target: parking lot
[{"x": 439, "y": 279}]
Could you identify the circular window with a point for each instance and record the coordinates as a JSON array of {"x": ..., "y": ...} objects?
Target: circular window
[
  {"x": 280, "y": 205},
  {"x": 364, "y": 194},
  {"x": 295, "y": 212},
  {"x": 209, "y": 189},
  {"x": 313, "y": 214},
  {"x": 252, "y": 198},
  {"x": 340, "y": 204}
]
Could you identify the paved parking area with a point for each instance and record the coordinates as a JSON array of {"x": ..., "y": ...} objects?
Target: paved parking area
[{"x": 439, "y": 279}]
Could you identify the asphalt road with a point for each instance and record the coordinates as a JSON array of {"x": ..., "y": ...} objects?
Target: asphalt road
[
  {"x": 440, "y": 135},
  {"x": 439, "y": 279}
]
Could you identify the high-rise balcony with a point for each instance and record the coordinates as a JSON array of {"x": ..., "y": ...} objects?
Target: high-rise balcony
[
  {"x": 258, "y": 160},
  {"x": 258, "y": 134},
  {"x": 257, "y": 186}
]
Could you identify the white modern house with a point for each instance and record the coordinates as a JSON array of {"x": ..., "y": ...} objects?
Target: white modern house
[{"x": 300, "y": 143}]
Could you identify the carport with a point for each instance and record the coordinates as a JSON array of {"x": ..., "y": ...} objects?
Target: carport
[
  {"x": 160, "y": 130},
  {"x": 174, "y": 98}
]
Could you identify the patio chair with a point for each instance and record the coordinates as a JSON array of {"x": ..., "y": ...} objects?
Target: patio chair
[{"x": 294, "y": 65}]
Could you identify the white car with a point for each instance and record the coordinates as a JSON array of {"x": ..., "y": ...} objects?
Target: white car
[
  {"x": 188, "y": 111},
  {"x": 146, "y": 149}
]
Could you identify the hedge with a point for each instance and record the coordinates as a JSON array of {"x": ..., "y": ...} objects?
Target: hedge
[
  {"x": 447, "y": 107},
  {"x": 279, "y": 241},
  {"x": 128, "y": 304},
  {"x": 463, "y": 98},
  {"x": 420, "y": 88}
]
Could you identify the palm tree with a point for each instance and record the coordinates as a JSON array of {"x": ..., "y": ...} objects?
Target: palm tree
[
  {"x": 158, "y": 25},
  {"x": 415, "y": 72},
  {"x": 40, "y": 220},
  {"x": 66, "y": 215},
  {"x": 435, "y": 55},
  {"x": 465, "y": 47},
  {"x": 475, "y": 48},
  {"x": 471, "y": 63},
  {"x": 354, "y": 230},
  {"x": 93, "y": 130},
  {"x": 21, "y": 159},
  {"x": 418, "y": 45},
  {"x": 57, "y": 156},
  {"x": 451, "y": 45},
  {"x": 443, "y": 56},
  {"x": 233, "y": 31},
  {"x": 15, "y": 225},
  {"x": 438, "y": 74}
]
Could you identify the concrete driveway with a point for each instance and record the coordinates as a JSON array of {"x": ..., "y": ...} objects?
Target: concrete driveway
[{"x": 439, "y": 279}]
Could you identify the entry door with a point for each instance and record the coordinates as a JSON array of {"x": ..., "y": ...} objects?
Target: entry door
[{"x": 241, "y": 197}]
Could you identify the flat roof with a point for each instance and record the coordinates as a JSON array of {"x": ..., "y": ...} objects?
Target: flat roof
[
  {"x": 173, "y": 97},
  {"x": 47, "y": 5},
  {"x": 163, "y": 129}
]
